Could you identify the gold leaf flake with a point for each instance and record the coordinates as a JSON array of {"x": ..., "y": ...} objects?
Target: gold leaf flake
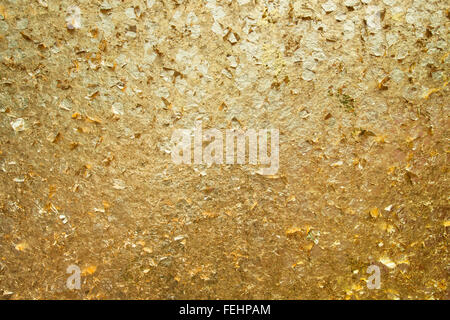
[
  {"x": 76, "y": 115},
  {"x": 3, "y": 12},
  {"x": 349, "y": 211},
  {"x": 22, "y": 246},
  {"x": 291, "y": 198},
  {"x": 18, "y": 125},
  {"x": 390, "y": 228},
  {"x": 393, "y": 294},
  {"x": 442, "y": 285},
  {"x": 223, "y": 106},
  {"x": 152, "y": 263},
  {"x": 209, "y": 214},
  {"x": 380, "y": 139},
  {"x": 398, "y": 16},
  {"x": 430, "y": 92},
  {"x": 89, "y": 270},
  {"x": 297, "y": 263},
  {"x": 106, "y": 204},
  {"x": 293, "y": 230},
  {"x": 147, "y": 250},
  {"x": 388, "y": 262},
  {"x": 93, "y": 120},
  {"x": 381, "y": 84},
  {"x": 308, "y": 246}
]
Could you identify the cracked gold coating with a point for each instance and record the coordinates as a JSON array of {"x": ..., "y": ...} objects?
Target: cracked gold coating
[{"x": 91, "y": 91}]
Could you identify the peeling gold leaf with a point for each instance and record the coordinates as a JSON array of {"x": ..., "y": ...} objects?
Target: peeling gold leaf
[
  {"x": 89, "y": 270},
  {"x": 374, "y": 212},
  {"x": 22, "y": 246}
]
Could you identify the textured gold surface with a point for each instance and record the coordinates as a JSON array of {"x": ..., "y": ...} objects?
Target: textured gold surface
[{"x": 87, "y": 109}]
